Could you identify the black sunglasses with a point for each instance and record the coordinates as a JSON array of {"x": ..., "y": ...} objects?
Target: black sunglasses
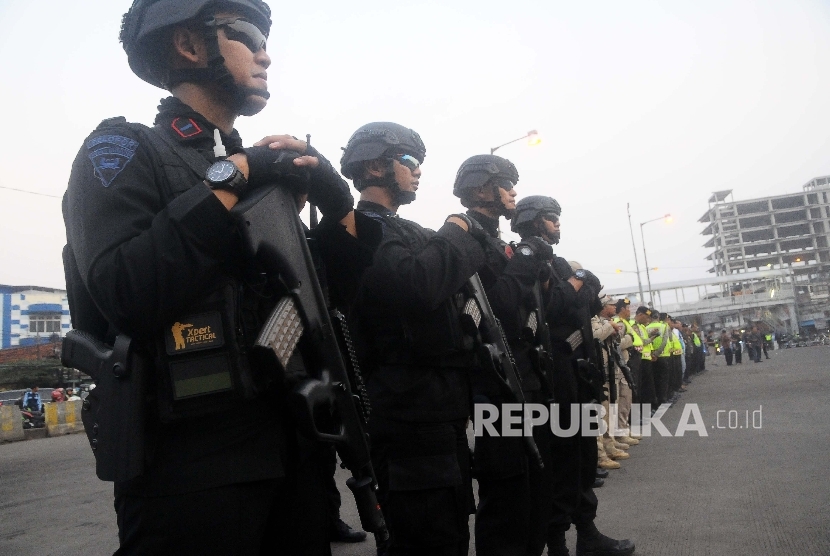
[
  {"x": 406, "y": 160},
  {"x": 240, "y": 30}
]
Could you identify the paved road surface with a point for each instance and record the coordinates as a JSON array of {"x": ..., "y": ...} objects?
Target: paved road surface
[{"x": 753, "y": 492}]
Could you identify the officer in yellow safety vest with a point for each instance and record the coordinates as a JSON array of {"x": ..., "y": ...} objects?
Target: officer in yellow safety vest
[
  {"x": 635, "y": 351},
  {"x": 676, "y": 373},
  {"x": 647, "y": 393},
  {"x": 767, "y": 343},
  {"x": 699, "y": 357},
  {"x": 661, "y": 356}
]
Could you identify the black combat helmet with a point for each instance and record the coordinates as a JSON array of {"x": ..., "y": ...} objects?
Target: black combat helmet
[
  {"x": 481, "y": 168},
  {"x": 142, "y": 34},
  {"x": 375, "y": 140},
  {"x": 532, "y": 207},
  {"x": 528, "y": 212}
]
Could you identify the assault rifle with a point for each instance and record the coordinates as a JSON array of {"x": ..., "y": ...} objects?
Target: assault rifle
[
  {"x": 617, "y": 356},
  {"x": 494, "y": 354},
  {"x": 323, "y": 404},
  {"x": 540, "y": 355}
]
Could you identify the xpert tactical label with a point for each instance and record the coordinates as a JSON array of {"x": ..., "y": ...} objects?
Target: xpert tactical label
[{"x": 195, "y": 333}]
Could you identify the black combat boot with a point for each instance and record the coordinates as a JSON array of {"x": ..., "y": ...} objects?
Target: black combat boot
[
  {"x": 341, "y": 532},
  {"x": 590, "y": 542},
  {"x": 557, "y": 545}
]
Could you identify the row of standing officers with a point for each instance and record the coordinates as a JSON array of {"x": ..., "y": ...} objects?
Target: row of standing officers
[{"x": 153, "y": 254}]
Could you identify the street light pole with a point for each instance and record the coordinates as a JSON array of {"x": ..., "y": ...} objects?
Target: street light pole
[
  {"x": 532, "y": 136},
  {"x": 634, "y": 246},
  {"x": 645, "y": 255}
]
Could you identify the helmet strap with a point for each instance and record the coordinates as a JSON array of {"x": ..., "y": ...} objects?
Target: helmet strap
[
  {"x": 216, "y": 72},
  {"x": 542, "y": 229},
  {"x": 387, "y": 181}
]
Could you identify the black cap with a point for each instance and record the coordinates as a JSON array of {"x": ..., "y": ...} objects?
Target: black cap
[
  {"x": 622, "y": 303},
  {"x": 643, "y": 310}
]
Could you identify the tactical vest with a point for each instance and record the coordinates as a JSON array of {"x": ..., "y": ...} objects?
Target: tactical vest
[
  {"x": 434, "y": 339},
  {"x": 200, "y": 356}
]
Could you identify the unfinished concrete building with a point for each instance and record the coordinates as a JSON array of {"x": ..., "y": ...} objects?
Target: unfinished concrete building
[{"x": 785, "y": 232}]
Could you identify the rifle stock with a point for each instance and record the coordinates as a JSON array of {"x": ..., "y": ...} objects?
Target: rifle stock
[{"x": 323, "y": 404}]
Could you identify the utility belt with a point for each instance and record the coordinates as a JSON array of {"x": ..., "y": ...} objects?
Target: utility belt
[{"x": 202, "y": 366}]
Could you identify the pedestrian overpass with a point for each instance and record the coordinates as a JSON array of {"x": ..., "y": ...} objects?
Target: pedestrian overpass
[{"x": 731, "y": 301}]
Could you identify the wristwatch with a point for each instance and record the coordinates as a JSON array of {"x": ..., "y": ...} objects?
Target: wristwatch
[
  {"x": 580, "y": 275},
  {"x": 224, "y": 175}
]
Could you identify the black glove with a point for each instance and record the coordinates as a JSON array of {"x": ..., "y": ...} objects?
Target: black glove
[
  {"x": 474, "y": 228},
  {"x": 541, "y": 248},
  {"x": 328, "y": 190},
  {"x": 265, "y": 166},
  {"x": 325, "y": 188},
  {"x": 561, "y": 268}
]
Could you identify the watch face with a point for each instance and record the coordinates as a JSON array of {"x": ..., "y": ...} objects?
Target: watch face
[
  {"x": 580, "y": 274},
  {"x": 220, "y": 171}
]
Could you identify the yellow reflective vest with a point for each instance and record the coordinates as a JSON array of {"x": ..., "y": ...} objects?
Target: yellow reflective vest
[
  {"x": 662, "y": 343},
  {"x": 635, "y": 338},
  {"x": 641, "y": 330}
]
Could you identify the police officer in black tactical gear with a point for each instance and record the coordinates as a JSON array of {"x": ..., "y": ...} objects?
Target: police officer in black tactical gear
[
  {"x": 508, "y": 510},
  {"x": 153, "y": 255},
  {"x": 573, "y": 460},
  {"x": 408, "y": 311}
]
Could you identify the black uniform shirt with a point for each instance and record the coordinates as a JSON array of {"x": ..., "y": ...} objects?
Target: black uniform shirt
[
  {"x": 508, "y": 280},
  {"x": 403, "y": 301},
  {"x": 145, "y": 249}
]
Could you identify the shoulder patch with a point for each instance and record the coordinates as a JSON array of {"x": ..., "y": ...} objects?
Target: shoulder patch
[
  {"x": 110, "y": 154},
  {"x": 186, "y": 127}
]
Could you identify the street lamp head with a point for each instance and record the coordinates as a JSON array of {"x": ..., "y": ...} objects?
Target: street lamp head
[
  {"x": 669, "y": 218},
  {"x": 533, "y": 138},
  {"x": 618, "y": 271}
]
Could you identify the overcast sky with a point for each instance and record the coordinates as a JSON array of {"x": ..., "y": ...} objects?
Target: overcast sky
[{"x": 656, "y": 104}]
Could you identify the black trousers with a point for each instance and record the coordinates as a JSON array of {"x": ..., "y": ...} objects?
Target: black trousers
[
  {"x": 647, "y": 392},
  {"x": 727, "y": 353},
  {"x": 274, "y": 517},
  {"x": 635, "y": 359},
  {"x": 424, "y": 485},
  {"x": 738, "y": 354},
  {"x": 676, "y": 376},
  {"x": 662, "y": 372},
  {"x": 514, "y": 494},
  {"x": 573, "y": 470}
]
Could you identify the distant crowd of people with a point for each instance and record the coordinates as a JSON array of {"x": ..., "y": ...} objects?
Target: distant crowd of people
[{"x": 733, "y": 343}]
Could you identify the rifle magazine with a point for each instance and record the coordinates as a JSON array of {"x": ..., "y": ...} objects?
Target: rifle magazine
[{"x": 282, "y": 332}]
